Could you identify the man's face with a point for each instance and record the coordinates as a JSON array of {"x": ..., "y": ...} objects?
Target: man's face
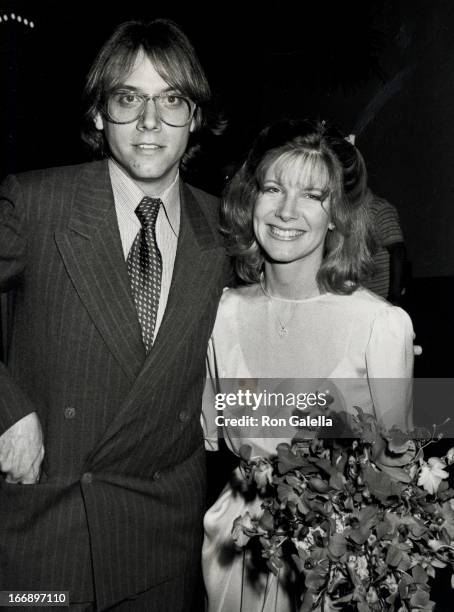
[{"x": 148, "y": 149}]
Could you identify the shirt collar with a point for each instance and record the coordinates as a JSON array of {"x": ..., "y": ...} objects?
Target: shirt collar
[{"x": 127, "y": 195}]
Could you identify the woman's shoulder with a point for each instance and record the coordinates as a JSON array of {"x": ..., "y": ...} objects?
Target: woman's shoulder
[
  {"x": 366, "y": 305},
  {"x": 232, "y": 297},
  {"x": 235, "y": 303},
  {"x": 382, "y": 311}
]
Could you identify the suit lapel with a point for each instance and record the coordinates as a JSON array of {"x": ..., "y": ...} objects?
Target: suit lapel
[
  {"x": 196, "y": 278},
  {"x": 92, "y": 252}
]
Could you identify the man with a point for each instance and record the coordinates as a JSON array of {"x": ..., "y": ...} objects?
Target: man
[
  {"x": 116, "y": 268},
  {"x": 390, "y": 257}
]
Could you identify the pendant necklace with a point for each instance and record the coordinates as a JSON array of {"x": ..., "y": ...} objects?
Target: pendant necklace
[{"x": 283, "y": 326}]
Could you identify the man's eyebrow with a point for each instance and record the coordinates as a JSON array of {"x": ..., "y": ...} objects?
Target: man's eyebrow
[
  {"x": 168, "y": 89},
  {"x": 129, "y": 87}
]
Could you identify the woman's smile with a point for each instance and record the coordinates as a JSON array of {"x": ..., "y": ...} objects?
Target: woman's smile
[{"x": 280, "y": 233}]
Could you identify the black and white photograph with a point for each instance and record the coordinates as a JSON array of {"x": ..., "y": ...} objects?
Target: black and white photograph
[{"x": 226, "y": 284}]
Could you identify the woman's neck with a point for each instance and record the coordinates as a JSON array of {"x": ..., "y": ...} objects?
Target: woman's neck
[{"x": 286, "y": 282}]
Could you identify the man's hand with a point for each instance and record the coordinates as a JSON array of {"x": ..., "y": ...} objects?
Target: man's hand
[{"x": 22, "y": 450}]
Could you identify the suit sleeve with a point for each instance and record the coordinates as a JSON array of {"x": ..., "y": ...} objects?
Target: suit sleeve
[
  {"x": 209, "y": 412},
  {"x": 14, "y": 403}
]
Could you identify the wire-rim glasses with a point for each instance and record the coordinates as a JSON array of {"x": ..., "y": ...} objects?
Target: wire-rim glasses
[{"x": 125, "y": 106}]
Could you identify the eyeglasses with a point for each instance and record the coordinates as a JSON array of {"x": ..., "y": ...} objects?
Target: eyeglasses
[{"x": 124, "y": 106}]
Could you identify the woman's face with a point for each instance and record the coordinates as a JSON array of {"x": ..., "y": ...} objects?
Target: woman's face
[{"x": 292, "y": 212}]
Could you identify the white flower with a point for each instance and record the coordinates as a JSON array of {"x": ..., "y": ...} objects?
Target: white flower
[
  {"x": 263, "y": 475},
  {"x": 340, "y": 523},
  {"x": 450, "y": 456},
  {"x": 431, "y": 474},
  {"x": 371, "y": 539},
  {"x": 391, "y": 583},
  {"x": 372, "y": 597},
  {"x": 435, "y": 545},
  {"x": 361, "y": 567},
  {"x": 302, "y": 545}
]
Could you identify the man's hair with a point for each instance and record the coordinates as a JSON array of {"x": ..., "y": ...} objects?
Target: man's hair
[
  {"x": 173, "y": 57},
  {"x": 348, "y": 247}
]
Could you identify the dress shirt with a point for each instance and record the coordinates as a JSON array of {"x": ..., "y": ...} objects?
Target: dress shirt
[{"x": 127, "y": 196}]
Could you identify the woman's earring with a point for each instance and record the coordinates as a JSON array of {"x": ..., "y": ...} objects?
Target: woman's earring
[{"x": 331, "y": 225}]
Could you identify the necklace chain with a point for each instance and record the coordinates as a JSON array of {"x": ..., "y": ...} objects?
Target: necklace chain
[{"x": 283, "y": 328}]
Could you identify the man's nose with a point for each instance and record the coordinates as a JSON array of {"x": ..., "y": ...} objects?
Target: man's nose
[{"x": 149, "y": 119}]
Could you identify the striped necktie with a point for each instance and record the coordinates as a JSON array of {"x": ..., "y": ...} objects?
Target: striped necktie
[{"x": 145, "y": 269}]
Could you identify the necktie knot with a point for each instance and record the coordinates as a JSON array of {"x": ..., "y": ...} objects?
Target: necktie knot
[{"x": 147, "y": 212}]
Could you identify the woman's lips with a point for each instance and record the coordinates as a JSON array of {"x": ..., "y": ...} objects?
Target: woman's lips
[
  {"x": 285, "y": 234},
  {"x": 148, "y": 146}
]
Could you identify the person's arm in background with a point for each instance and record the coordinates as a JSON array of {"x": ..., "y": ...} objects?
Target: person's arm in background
[
  {"x": 397, "y": 265},
  {"x": 391, "y": 238}
]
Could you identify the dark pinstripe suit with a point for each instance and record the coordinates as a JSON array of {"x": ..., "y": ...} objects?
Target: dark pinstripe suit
[{"x": 124, "y": 472}]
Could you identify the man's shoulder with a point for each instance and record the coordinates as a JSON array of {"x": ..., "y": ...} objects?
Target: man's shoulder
[
  {"x": 59, "y": 175},
  {"x": 207, "y": 200}
]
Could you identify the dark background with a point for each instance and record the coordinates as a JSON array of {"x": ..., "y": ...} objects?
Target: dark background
[{"x": 383, "y": 70}]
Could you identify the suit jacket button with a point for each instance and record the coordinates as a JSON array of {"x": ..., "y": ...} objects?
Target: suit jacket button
[
  {"x": 87, "y": 478},
  {"x": 156, "y": 475},
  {"x": 183, "y": 416},
  {"x": 70, "y": 412}
]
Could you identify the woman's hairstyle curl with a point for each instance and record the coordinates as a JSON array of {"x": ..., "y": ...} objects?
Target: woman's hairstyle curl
[{"x": 349, "y": 246}]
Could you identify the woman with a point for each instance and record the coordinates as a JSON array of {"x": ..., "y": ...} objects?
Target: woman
[{"x": 295, "y": 216}]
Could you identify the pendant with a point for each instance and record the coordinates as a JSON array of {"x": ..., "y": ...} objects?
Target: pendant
[{"x": 283, "y": 331}]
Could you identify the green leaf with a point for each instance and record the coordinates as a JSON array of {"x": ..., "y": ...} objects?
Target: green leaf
[
  {"x": 294, "y": 481},
  {"x": 298, "y": 561},
  {"x": 405, "y": 563},
  {"x": 393, "y": 556},
  {"x": 417, "y": 529},
  {"x": 383, "y": 528},
  {"x": 267, "y": 521},
  {"x": 380, "y": 484},
  {"x": 245, "y": 452},
  {"x": 358, "y": 536},
  {"x": 302, "y": 506},
  {"x": 397, "y": 473},
  {"x": 325, "y": 466},
  {"x": 337, "y": 481},
  {"x": 443, "y": 486},
  {"x": 308, "y": 601},
  {"x": 316, "y": 578},
  {"x": 421, "y": 600},
  {"x": 419, "y": 575},
  {"x": 287, "y": 494},
  {"x": 287, "y": 460},
  {"x": 337, "y": 546}
]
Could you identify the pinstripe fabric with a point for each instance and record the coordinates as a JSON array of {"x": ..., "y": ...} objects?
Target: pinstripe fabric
[{"x": 130, "y": 423}]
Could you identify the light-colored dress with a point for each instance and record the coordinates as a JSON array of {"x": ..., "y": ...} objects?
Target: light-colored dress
[{"x": 359, "y": 346}]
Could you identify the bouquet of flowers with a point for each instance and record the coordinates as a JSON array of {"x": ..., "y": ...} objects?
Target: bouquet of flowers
[{"x": 363, "y": 522}]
